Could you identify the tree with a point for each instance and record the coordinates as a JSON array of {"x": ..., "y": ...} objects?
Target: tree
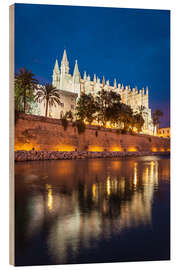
[
  {"x": 126, "y": 117},
  {"x": 86, "y": 108},
  {"x": 18, "y": 97},
  {"x": 69, "y": 115},
  {"x": 49, "y": 94},
  {"x": 138, "y": 121},
  {"x": 108, "y": 106},
  {"x": 156, "y": 118},
  {"x": 25, "y": 84}
]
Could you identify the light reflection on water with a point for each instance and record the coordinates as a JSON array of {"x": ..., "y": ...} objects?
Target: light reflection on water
[{"x": 75, "y": 205}]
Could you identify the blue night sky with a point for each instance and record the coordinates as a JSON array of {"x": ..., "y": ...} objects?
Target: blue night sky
[{"x": 131, "y": 45}]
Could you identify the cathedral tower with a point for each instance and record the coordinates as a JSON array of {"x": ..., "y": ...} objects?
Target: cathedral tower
[
  {"x": 56, "y": 75},
  {"x": 64, "y": 64},
  {"x": 76, "y": 79}
]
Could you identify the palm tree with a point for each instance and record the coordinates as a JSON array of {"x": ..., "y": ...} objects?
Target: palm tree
[
  {"x": 27, "y": 83},
  {"x": 49, "y": 94},
  {"x": 156, "y": 118}
]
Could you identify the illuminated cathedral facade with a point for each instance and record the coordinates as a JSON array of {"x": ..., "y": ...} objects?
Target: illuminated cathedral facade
[{"x": 71, "y": 87}]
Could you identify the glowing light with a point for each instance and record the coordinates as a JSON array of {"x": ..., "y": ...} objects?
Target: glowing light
[
  {"x": 132, "y": 149},
  {"x": 162, "y": 149},
  {"x": 108, "y": 125},
  {"x": 122, "y": 184},
  {"x": 115, "y": 184},
  {"x": 65, "y": 148},
  {"x": 108, "y": 187},
  {"x": 168, "y": 150},
  {"x": 152, "y": 163},
  {"x": 152, "y": 170},
  {"x": 116, "y": 149},
  {"x": 146, "y": 175},
  {"x": 135, "y": 174},
  {"x": 50, "y": 197},
  {"x": 154, "y": 149},
  {"x": 96, "y": 149},
  {"x": 94, "y": 191},
  {"x": 25, "y": 147},
  {"x": 116, "y": 165}
]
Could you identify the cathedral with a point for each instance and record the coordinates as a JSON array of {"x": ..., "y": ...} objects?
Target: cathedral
[{"x": 71, "y": 86}]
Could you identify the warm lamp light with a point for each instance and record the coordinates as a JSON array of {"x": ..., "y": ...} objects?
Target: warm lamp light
[
  {"x": 132, "y": 149},
  {"x": 65, "y": 148},
  {"x": 108, "y": 187},
  {"x": 116, "y": 149},
  {"x": 50, "y": 197},
  {"x": 95, "y": 149},
  {"x": 25, "y": 147}
]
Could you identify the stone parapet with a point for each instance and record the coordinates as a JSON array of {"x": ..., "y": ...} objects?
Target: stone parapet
[{"x": 45, "y": 134}]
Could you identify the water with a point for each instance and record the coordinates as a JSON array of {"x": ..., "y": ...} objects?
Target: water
[{"x": 84, "y": 211}]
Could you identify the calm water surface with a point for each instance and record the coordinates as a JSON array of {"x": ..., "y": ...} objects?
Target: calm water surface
[{"x": 83, "y": 211}]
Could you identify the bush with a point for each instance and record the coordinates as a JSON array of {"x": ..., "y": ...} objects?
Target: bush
[
  {"x": 64, "y": 122},
  {"x": 124, "y": 131},
  {"x": 132, "y": 132}
]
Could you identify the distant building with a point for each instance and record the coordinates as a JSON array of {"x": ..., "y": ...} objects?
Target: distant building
[
  {"x": 164, "y": 132},
  {"x": 74, "y": 84}
]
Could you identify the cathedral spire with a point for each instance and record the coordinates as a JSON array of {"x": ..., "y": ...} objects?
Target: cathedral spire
[
  {"x": 56, "y": 67},
  {"x": 76, "y": 73},
  {"x": 94, "y": 78},
  {"x": 85, "y": 76},
  {"x": 76, "y": 70},
  {"x": 103, "y": 81},
  {"x": 56, "y": 75},
  {"x": 115, "y": 84},
  {"x": 65, "y": 63},
  {"x": 64, "y": 59}
]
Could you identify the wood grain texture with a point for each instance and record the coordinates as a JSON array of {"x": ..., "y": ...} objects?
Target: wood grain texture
[{"x": 11, "y": 135}]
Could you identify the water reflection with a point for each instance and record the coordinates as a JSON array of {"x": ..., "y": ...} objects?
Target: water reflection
[
  {"x": 50, "y": 197},
  {"x": 76, "y": 204}
]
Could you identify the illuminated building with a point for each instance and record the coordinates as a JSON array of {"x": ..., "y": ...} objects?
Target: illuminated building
[
  {"x": 164, "y": 132},
  {"x": 73, "y": 85}
]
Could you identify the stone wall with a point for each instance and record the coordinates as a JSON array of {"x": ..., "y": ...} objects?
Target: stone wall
[
  {"x": 46, "y": 134},
  {"x": 54, "y": 155}
]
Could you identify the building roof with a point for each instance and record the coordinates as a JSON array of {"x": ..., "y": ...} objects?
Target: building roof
[{"x": 68, "y": 93}]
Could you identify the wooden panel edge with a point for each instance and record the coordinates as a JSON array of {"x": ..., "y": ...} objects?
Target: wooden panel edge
[{"x": 11, "y": 137}]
